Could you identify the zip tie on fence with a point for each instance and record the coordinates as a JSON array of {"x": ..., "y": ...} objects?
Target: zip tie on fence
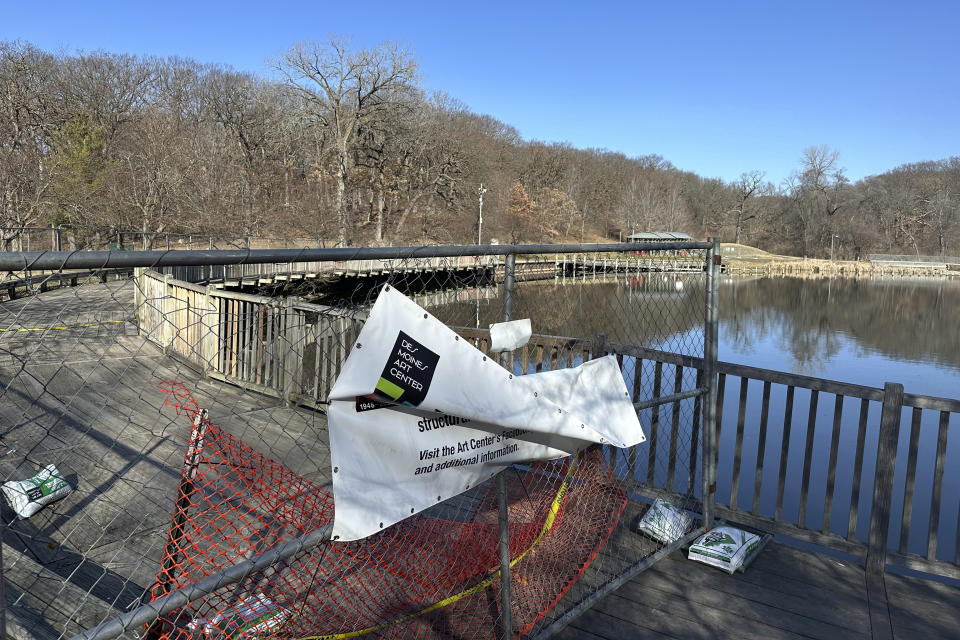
[
  {"x": 66, "y": 327},
  {"x": 483, "y": 584},
  {"x": 150, "y": 611}
]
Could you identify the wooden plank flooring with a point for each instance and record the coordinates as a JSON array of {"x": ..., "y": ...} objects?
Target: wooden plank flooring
[
  {"x": 787, "y": 593},
  {"x": 86, "y": 398}
]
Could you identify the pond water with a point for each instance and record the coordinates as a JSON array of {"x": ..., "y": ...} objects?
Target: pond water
[{"x": 861, "y": 331}]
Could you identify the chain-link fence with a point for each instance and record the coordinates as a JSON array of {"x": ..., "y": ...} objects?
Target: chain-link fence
[
  {"x": 69, "y": 237},
  {"x": 181, "y": 409}
]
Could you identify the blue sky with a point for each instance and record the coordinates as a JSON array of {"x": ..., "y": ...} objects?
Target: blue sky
[{"x": 715, "y": 87}]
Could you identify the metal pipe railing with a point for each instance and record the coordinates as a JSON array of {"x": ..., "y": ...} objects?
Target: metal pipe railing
[
  {"x": 150, "y": 611},
  {"x": 21, "y": 261}
]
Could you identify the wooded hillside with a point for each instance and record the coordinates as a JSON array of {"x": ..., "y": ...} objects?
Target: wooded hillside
[{"x": 344, "y": 144}]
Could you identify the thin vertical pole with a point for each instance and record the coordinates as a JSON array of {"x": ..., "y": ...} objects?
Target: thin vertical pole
[
  {"x": 3, "y": 590},
  {"x": 505, "y": 595},
  {"x": 709, "y": 439}
]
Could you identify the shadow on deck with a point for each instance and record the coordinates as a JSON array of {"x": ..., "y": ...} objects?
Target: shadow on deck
[
  {"x": 86, "y": 398},
  {"x": 787, "y": 593}
]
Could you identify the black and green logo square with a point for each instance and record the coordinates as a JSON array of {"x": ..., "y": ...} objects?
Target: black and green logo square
[{"x": 408, "y": 372}]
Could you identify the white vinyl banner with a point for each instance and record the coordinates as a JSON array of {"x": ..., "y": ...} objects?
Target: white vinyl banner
[{"x": 418, "y": 415}]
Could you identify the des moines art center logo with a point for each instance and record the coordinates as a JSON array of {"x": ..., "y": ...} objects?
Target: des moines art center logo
[{"x": 407, "y": 374}]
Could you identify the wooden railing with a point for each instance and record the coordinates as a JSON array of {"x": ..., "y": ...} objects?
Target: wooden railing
[
  {"x": 40, "y": 281},
  {"x": 795, "y": 443},
  {"x": 782, "y": 461},
  {"x": 239, "y": 274}
]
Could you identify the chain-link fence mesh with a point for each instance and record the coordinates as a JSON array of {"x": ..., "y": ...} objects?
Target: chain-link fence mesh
[
  {"x": 185, "y": 407},
  {"x": 69, "y": 237}
]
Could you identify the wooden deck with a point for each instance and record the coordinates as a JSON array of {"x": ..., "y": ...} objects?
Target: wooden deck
[
  {"x": 787, "y": 593},
  {"x": 86, "y": 398}
]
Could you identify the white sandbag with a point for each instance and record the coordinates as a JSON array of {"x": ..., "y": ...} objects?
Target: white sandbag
[
  {"x": 30, "y": 495},
  {"x": 724, "y": 547},
  {"x": 664, "y": 522},
  {"x": 507, "y": 336},
  {"x": 252, "y": 617}
]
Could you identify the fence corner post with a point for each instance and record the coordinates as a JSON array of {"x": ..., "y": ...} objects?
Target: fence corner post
[
  {"x": 883, "y": 477},
  {"x": 708, "y": 452}
]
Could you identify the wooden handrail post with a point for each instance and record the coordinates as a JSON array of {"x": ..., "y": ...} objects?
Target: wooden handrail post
[
  {"x": 599, "y": 346},
  {"x": 292, "y": 359},
  {"x": 210, "y": 320},
  {"x": 883, "y": 476},
  {"x": 168, "y": 306},
  {"x": 138, "y": 297}
]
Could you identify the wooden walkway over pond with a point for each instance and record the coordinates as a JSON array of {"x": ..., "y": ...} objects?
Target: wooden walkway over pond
[
  {"x": 99, "y": 416},
  {"x": 786, "y": 594}
]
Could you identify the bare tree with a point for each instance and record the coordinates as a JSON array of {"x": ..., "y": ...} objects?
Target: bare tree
[
  {"x": 817, "y": 190},
  {"x": 28, "y": 116},
  {"x": 346, "y": 90},
  {"x": 746, "y": 187}
]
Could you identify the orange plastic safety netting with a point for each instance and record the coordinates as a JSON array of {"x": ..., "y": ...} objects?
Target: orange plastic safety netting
[{"x": 435, "y": 574}]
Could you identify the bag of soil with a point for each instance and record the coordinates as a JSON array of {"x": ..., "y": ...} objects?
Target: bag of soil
[
  {"x": 26, "y": 497},
  {"x": 663, "y": 522},
  {"x": 724, "y": 547}
]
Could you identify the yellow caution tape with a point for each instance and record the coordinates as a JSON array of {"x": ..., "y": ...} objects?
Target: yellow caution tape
[
  {"x": 483, "y": 584},
  {"x": 64, "y": 328}
]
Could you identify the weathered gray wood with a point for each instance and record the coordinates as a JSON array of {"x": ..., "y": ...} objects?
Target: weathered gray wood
[
  {"x": 857, "y": 470},
  {"x": 721, "y": 394},
  {"x": 932, "y": 403},
  {"x": 674, "y": 428},
  {"x": 695, "y": 434},
  {"x": 654, "y": 424},
  {"x": 761, "y": 446},
  {"x": 808, "y": 458},
  {"x": 721, "y": 599},
  {"x": 756, "y": 373},
  {"x": 738, "y": 446},
  {"x": 832, "y": 464},
  {"x": 787, "y": 610},
  {"x": 910, "y": 481},
  {"x": 784, "y": 452},
  {"x": 880, "y": 624},
  {"x": 934, "y": 526},
  {"x": 883, "y": 480},
  {"x": 917, "y": 562}
]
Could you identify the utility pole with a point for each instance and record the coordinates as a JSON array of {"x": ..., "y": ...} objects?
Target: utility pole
[
  {"x": 480, "y": 191},
  {"x": 832, "y": 236}
]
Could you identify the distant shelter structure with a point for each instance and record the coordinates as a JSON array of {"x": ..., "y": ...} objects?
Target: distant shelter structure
[{"x": 659, "y": 236}]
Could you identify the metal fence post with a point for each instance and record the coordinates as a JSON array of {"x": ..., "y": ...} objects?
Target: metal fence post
[
  {"x": 883, "y": 477},
  {"x": 506, "y": 605},
  {"x": 3, "y": 591},
  {"x": 708, "y": 458}
]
